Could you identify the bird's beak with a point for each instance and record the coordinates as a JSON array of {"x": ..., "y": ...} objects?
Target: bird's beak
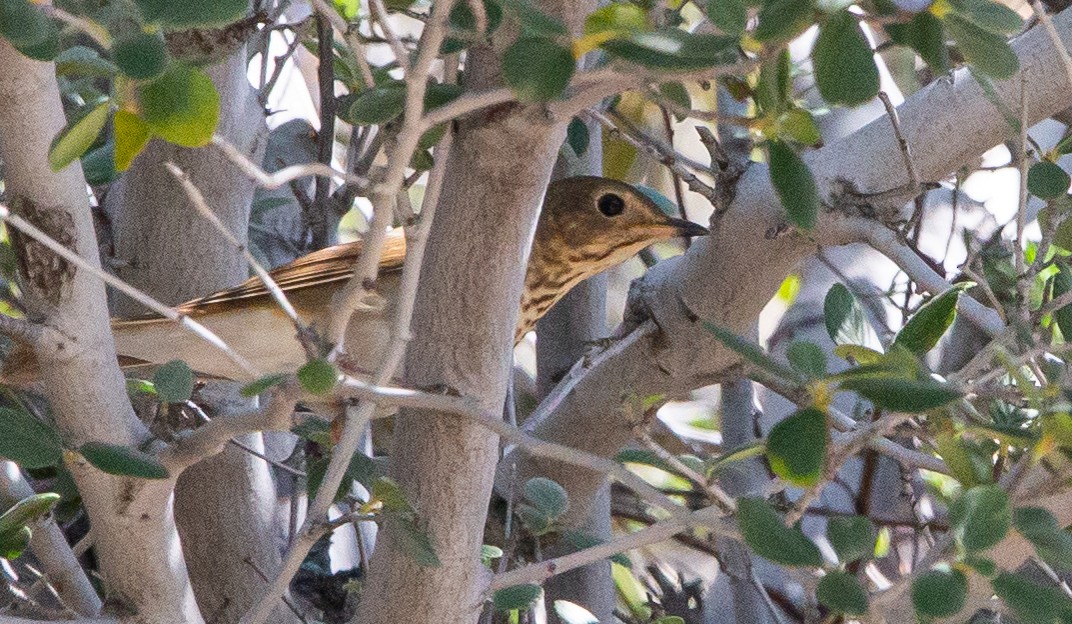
[{"x": 686, "y": 228}]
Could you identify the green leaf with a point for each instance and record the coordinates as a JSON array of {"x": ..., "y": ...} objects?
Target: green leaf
[
  {"x": 924, "y": 34},
  {"x": 1031, "y": 602},
  {"x": 616, "y": 17},
  {"x": 391, "y": 496},
  {"x": 537, "y": 69},
  {"x": 318, "y": 376},
  {"x": 416, "y": 543},
  {"x": 796, "y": 447},
  {"x": 774, "y": 90},
  {"x": 142, "y": 56},
  {"x": 489, "y": 553},
  {"x": 927, "y": 326},
  {"x": 463, "y": 24},
  {"x": 124, "y": 461},
  {"x": 990, "y": 16},
  {"x": 533, "y": 20},
  {"x": 377, "y": 105},
  {"x": 347, "y": 8},
  {"x": 581, "y": 540},
  {"x": 845, "y": 69},
  {"x": 752, "y": 352},
  {"x": 673, "y": 49},
  {"x": 27, "y": 441},
  {"x": 99, "y": 164},
  {"x": 807, "y": 358},
  {"x": 840, "y": 592},
  {"x": 1062, "y": 283},
  {"x": 901, "y": 395},
  {"x": 361, "y": 469},
  {"x": 131, "y": 136},
  {"x": 13, "y": 544},
  {"x": 181, "y": 106},
  {"x": 78, "y": 136},
  {"x": 729, "y": 16},
  {"x": 982, "y": 565},
  {"x": 1052, "y": 543},
  {"x": 27, "y": 510},
  {"x": 28, "y": 29},
  {"x": 845, "y": 320},
  {"x": 981, "y": 517},
  {"x": 140, "y": 386},
  {"x": 577, "y": 136},
  {"x": 852, "y": 537},
  {"x": 1047, "y": 180},
  {"x": 985, "y": 51},
  {"x": 678, "y": 94},
  {"x": 174, "y": 382},
  {"x": 782, "y": 20},
  {"x": 763, "y": 530},
  {"x": 548, "y": 497},
  {"x": 536, "y": 522},
  {"x": 794, "y": 184},
  {"x": 517, "y": 597},
  {"x": 939, "y": 593},
  {"x": 799, "y": 125},
  {"x": 259, "y": 386},
  {"x": 83, "y": 61},
  {"x": 192, "y": 13}
]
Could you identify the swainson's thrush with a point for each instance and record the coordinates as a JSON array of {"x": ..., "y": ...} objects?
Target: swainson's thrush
[{"x": 587, "y": 225}]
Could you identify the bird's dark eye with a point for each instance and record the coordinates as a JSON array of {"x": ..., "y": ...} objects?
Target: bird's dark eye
[{"x": 611, "y": 205}]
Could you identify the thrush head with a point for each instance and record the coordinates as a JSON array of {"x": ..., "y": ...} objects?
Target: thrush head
[{"x": 589, "y": 224}]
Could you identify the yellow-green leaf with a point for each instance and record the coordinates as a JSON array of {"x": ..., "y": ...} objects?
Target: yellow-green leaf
[
  {"x": 77, "y": 137},
  {"x": 181, "y": 106},
  {"x": 131, "y": 135}
]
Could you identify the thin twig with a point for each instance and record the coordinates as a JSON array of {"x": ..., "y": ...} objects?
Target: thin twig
[
  {"x": 351, "y": 37},
  {"x": 285, "y": 175},
  {"x": 902, "y": 142}
]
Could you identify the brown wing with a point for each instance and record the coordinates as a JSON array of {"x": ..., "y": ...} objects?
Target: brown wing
[{"x": 334, "y": 264}]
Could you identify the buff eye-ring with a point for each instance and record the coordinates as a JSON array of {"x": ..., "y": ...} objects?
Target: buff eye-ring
[{"x": 611, "y": 205}]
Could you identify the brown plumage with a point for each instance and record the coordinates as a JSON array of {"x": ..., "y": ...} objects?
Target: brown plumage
[{"x": 587, "y": 225}]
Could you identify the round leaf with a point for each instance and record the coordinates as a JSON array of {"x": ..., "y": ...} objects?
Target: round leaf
[
  {"x": 13, "y": 544},
  {"x": 841, "y": 592},
  {"x": 577, "y": 136},
  {"x": 763, "y": 530},
  {"x": 807, "y": 358},
  {"x": 925, "y": 35},
  {"x": 851, "y": 537},
  {"x": 28, "y": 29},
  {"x": 1047, "y": 180},
  {"x": 537, "y": 69},
  {"x": 142, "y": 56},
  {"x": 981, "y": 517},
  {"x": 547, "y": 496},
  {"x": 131, "y": 136},
  {"x": 377, "y": 105},
  {"x": 794, "y": 184},
  {"x": 845, "y": 69},
  {"x": 78, "y": 136},
  {"x": 729, "y": 16},
  {"x": 1032, "y": 602},
  {"x": 318, "y": 376},
  {"x": 845, "y": 319},
  {"x": 985, "y": 51},
  {"x": 174, "y": 382},
  {"x": 123, "y": 461},
  {"x": 782, "y": 20},
  {"x": 796, "y": 447},
  {"x": 1051, "y": 542},
  {"x": 181, "y": 106},
  {"x": 673, "y": 49},
  {"x": 192, "y": 13},
  {"x": 939, "y": 593},
  {"x": 27, "y": 441},
  {"x": 517, "y": 597}
]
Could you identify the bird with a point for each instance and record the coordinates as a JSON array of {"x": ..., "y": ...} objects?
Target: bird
[{"x": 587, "y": 224}]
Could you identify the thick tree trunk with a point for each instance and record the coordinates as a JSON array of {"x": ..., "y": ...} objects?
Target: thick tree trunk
[
  {"x": 225, "y": 505},
  {"x": 466, "y": 312},
  {"x": 136, "y": 543}
]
